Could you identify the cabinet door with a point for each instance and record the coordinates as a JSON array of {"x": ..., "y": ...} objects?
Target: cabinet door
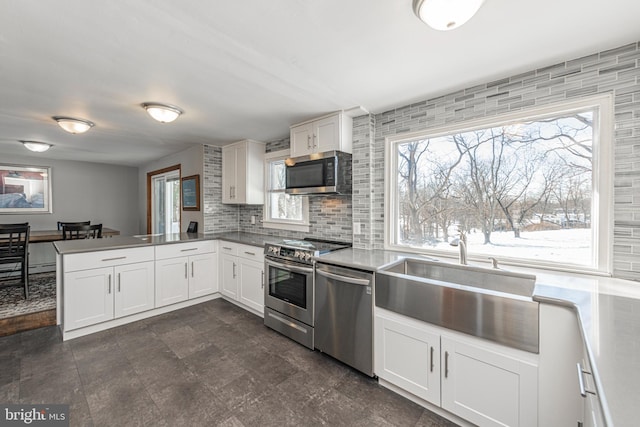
[
  {"x": 229, "y": 276},
  {"x": 240, "y": 188},
  {"x": 172, "y": 281},
  {"x": 88, "y": 297},
  {"x": 408, "y": 355},
  {"x": 487, "y": 388},
  {"x": 203, "y": 279},
  {"x": 301, "y": 140},
  {"x": 228, "y": 174},
  {"x": 326, "y": 134},
  {"x": 134, "y": 288},
  {"x": 252, "y": 284}
]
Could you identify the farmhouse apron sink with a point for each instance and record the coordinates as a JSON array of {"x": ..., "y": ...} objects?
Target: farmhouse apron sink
[{"x": 488, "y": 303}]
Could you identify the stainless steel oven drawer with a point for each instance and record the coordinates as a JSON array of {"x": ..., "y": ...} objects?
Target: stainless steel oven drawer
[{"x": 289, "y": 327}]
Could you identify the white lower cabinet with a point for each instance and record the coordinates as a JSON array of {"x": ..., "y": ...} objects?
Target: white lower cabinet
[
  {"x": 185, "y": 271},
  {"x": 568, "y": 395},
  {"x": 407, "y": 354},
  {"x": 229, "y": 270},
  {"x": 242, "y": 274},
  {"x": 487, "y": 387},
  {"x": 252, "y": 284},
  {"x": 484, "y": 383},
  {"x": 101, "y": 294}
]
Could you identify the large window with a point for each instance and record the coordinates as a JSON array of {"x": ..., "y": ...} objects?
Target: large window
[
  {"x": 282, "y": 210},
  {"x": 529, "y": 190}
]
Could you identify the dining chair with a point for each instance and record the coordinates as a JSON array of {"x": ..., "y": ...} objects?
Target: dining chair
[
  {"x": 14, "y": 249},
  {"x": 63, "y": 223},
  {"x": 72, "y": 232}
]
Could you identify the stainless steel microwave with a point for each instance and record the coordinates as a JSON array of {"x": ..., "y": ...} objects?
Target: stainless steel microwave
[{"x": 320, "y": 173}]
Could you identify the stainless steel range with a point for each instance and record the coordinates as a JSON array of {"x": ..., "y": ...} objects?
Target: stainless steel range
[{"x": 289, "y": 292}]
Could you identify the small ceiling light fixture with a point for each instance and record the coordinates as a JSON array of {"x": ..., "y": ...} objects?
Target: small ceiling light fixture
[
  {"x": 72, "y": 125},
  {"x": 164, "y": 113},
  {"x": 36, "y": 146},
  {"x": 446, "y": 15}
]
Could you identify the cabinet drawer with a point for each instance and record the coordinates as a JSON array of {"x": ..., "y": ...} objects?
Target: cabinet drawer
[
  {"x": 228, "y": 248},
  {"x": 253, "y": 253},
  {"x": 184, "y": 249},
  {"x": 90, "y": 260}
]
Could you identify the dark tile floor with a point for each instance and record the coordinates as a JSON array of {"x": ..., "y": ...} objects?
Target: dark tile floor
[{"x": 211, "y": 364}]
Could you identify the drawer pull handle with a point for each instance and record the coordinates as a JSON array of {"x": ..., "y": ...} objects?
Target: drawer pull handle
[
  {"x": 446, "y": 364},
  {"x": 431, "y": 368},
  {"x": 113, "y": 259},
  {"x": 187, "y": 250},
  {"x": 583, "y": 389},
  {"x": 250, "y": 253},
  {"x": 226, "y": 248}
]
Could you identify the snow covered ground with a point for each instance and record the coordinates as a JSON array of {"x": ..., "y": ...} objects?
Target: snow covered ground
[{"x": 572, "y": 246}]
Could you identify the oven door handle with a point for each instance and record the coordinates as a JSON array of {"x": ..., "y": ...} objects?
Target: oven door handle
[
  {"x": 289, "y": 267},
  {"x": 344, "y": 279}
]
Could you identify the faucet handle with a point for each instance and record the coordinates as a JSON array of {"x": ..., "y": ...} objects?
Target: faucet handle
[{"x": 494, "y": 261}]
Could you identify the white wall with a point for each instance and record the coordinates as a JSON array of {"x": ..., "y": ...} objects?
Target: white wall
[
  {"x": 191, "y": 162},
  {"x": 103, "y": 194}
]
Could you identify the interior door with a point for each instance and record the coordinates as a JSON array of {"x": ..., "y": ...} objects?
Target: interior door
[{"x": 164, "y": 201}]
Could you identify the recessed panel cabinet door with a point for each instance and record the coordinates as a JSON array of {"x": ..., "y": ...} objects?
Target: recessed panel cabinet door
[
  {"x": 172, "y": 281},
  {"x": 134, "y": 288},
  {"x": 326, "y": 134},
  {"x": 203, "y": 275},
  {"x": 408, "y": 355},
  {"x": 487, "y": 388},
  {"x": 252, "y": 284},
  {"x": 229, "y": 276},
  {"x": 301, "y": 140},
  {"x": 88, "y": 297}
]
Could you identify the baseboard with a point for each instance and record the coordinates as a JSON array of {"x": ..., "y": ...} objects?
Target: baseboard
[{"x": 26, "y": 322}]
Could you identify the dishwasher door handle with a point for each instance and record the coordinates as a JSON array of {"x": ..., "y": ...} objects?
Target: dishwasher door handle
[{"x": 344, "y": 279}]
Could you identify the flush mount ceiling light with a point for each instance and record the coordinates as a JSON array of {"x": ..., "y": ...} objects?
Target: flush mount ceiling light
[
  {"x": 72, "y": 125},
  {"x": 164, "y": 113},
  {"x": 38, "y": 147},
  {"x": 446, "y": 15}
]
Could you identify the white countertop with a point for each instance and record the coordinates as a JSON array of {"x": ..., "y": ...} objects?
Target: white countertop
[{"x": 608, "y": 311}]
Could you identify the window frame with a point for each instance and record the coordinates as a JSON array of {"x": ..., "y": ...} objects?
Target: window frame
[
  {"x": 276, "y": 223},
  {"x": 602, "y": 184}
]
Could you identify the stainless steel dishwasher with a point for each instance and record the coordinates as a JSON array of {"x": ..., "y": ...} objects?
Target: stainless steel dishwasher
[{"x": 344, "y": 315}]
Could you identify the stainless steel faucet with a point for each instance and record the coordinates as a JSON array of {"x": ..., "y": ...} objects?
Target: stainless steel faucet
[{"x": 461, "y": 243}]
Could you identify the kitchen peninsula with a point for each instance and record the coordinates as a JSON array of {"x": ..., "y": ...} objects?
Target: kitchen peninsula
[{"x": 103, "y": 283}]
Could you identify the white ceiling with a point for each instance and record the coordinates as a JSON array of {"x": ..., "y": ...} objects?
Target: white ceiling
[{"x": 249, "y": 69}]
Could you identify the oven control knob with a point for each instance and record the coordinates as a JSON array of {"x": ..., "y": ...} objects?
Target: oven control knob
[
  {"x": 297, "y": 254},
  {"x": 307, "y": 256}
]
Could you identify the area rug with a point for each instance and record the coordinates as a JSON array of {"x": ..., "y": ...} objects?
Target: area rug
[{"x": 42, "y": 295}]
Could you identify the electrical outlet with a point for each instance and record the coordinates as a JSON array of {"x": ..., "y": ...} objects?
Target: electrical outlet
[
  {"x": 357, "y": 228},
  {"x": 253, "y": 219}
]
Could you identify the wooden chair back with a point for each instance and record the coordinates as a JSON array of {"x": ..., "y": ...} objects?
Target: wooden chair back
[{"x": 72, "y": 232}]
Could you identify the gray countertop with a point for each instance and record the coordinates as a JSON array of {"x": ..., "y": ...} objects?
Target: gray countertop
[
  {"x": 608, "y": 311},
  {"x": 123, "y": 242}
]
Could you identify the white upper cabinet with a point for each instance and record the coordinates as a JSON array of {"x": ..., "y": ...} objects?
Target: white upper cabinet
[
  {"x": 243, "y": 173},
  {"x": 328, "y": 133}
]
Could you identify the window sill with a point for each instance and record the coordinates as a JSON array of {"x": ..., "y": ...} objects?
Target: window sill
[{"x": 286, "y": 226}]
